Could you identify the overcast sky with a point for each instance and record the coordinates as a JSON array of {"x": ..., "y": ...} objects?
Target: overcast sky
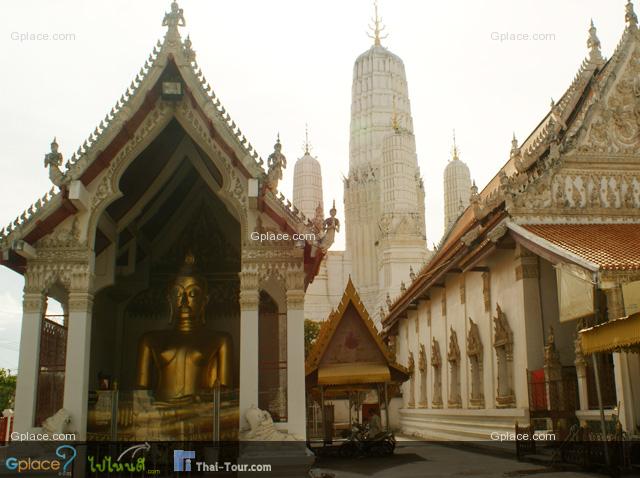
[{"x": 278, "y": 64}]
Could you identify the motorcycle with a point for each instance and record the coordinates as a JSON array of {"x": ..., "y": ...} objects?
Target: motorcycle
[{"x": 360, "y": 443}]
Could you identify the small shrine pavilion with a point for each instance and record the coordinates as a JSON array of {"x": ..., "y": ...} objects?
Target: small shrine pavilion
[{"x": 349, "y": 358}]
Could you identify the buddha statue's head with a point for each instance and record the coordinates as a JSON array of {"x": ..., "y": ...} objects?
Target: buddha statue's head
[{"x": 188, "y": 297}]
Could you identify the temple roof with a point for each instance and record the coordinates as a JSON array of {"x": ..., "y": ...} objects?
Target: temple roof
[
  {"x": 172, "y": 57},
  {"x": 609, "y": 246},
  {"x": 376, "y": 364},
  {"x": 561, "y": 128}
]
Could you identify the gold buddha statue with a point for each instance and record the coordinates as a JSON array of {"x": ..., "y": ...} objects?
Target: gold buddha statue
[
  {"x": 182, "y": 366},
  {"x": 188, "y": 360}
]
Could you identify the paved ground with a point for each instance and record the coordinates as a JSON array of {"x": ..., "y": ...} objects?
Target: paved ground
[{"x": 419, "y": 460}]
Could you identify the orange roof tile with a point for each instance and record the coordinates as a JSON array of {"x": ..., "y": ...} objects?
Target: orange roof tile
[{"x": 611, "y": 246}]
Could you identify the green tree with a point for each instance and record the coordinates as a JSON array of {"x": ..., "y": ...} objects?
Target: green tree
[
  {"x": 7, "y": 388},
  {"x": 311, "y": 331}
]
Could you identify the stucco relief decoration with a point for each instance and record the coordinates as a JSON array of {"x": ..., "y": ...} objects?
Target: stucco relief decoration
[
  {"x": 486, "y": 291},
  {"x": 503, "y": 345},
  {"x": 453, "y": 357},
  {"x": 475, "y": 354},
  {"x": 443, "y": 301},
  {"x": 412, "y": 381},
  {"x": 422, "y": 359},
  {"x": 62, "y": 259},
  {"x": 108, "y": 185},
  {"x": 616, "y": 125},
  {"x": 436, "y": 363},
  {"x": 422, "y": 367},
  {"x": 551, "y": 355},
  {"x": 577, "y": 190}
]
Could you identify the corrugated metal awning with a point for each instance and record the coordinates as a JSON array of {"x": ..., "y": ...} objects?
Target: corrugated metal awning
[
  {"x": 620, "y": 335},
  {"x": 353, "y": 373}
]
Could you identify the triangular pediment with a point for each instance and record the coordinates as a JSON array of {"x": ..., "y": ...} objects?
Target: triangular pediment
[
  {"x": 349, "y": 336},
  {"x": 169, "y": 89}
]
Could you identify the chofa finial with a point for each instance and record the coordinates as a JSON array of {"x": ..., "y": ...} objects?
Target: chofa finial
[
  {"x": 593, "y": 43},
  {"x": 630, "y": 16},
  {"x": 174, "y": 18},
  {"x": 377, "y": 26}
]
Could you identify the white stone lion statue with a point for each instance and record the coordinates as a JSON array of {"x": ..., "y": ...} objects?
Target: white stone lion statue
[
  {"x": 262, "y": 427},
  {"x": 57, "y": 423}
]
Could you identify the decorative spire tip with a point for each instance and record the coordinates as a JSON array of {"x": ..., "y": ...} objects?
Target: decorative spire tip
[
  {"x": 307, "y": 145},
  {"x": 377, "y": 27},
  {"x": 455, "y": 146}
]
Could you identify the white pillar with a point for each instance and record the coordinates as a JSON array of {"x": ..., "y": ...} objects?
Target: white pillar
[
  {"x": 76, "y": 376},
  {"x": 296, "y": 401},
  {"x": 29, "y": 361},
  {"x": 249, "y": 299},
  {"x": 581, "y": 372},
  {"x": 627, "y": 414}
]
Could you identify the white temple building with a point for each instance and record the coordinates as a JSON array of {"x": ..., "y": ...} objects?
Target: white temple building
[{"x": 492, "y": 328}]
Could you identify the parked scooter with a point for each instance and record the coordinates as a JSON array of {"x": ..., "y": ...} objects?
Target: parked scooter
[{"x": 360, "y": 443}]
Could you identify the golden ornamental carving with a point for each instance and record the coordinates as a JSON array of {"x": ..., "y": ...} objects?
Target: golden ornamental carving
[
  {"x": 411, "y": 365},
  {"x": 453, "y": 354},
  {"x": 436, "y": 357},
  {"x": 443, "y": 301},
  {"x": 486, "y": 291},
  {"x": 502, "y": 334},
  {"x": 474, "y": 342},
  {"x": 422, "y": 359}
]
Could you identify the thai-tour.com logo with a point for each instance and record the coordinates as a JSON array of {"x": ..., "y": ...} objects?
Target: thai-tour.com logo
[
  {"x": 62, "y": 466},
  {"x": 182, "y": 460}
]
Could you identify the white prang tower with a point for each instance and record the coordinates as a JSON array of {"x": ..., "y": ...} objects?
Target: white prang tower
[
  {"x": 457, "y": 187},
  {"x": 307, "y": 182},
  {"x": 384, "y": 193}
]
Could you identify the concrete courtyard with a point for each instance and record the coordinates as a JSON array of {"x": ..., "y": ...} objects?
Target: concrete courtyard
[{"x": 419, "y": 460}]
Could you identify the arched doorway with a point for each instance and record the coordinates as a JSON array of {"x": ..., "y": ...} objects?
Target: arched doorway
[{"x": 169, "y": 211}]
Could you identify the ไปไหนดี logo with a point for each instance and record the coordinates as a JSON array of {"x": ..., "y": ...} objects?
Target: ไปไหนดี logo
[{"x": 107, "y": 465}]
